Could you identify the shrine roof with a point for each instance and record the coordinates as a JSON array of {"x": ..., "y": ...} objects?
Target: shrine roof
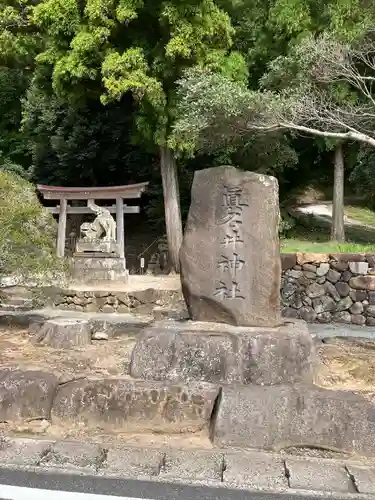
[{"x": 128, "y": 191}]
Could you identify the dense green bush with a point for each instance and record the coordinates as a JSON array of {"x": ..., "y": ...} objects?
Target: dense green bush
[{"x": 27, "y": 231}]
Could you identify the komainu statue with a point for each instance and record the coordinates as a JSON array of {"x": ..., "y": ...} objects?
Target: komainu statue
[{"x": 102, "y": 228}]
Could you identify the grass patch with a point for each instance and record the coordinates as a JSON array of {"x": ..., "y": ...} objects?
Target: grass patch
[
  {"x": 361, "y": 214},
  {"x": 312, "y": 235},
  {"x": 293, "y": 245}
]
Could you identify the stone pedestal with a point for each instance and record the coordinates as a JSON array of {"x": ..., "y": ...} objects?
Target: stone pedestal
[
  {"x": 100, "y": 246},
  {"x": 94, "y": 268},
  {"x": 225, "y": 354}
]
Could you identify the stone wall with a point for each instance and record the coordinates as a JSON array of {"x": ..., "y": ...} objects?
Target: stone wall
[
  {"x": 141, "y": 301},
  {"x": 329, "y": 287}
]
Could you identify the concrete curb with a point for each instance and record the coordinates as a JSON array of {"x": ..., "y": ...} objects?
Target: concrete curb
[{"x": 226, "y": 468}]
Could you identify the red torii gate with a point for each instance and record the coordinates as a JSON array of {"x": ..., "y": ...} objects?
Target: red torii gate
[{"x": 118, "y": 193}]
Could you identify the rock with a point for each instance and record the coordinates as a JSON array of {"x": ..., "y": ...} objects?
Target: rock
[
  {"x": 371, "y": 298},
  {"x": 288, "y": 290},
  {"x": 288, "y": 260},
  {"x": 333, "y": 276},
  {"x": 358, "y": 267},
  {"x": 309, "y": 275},
  {"x": 99, "y": 336},
  {"x": 363, "y": 283},
  {"x": 323, "y": 269},
  {"x": 310, "y": 268},
  {"x": 306, "y": 258},
  {"x": 308, "y": 314},
  {"x": 370, "y": 321},
  {"x": 218, "y": 353},
  {"x": 331, "y": 290},
  {"x": 325, "y": 317},
  {"x": 289, "y": 312},
  {"x": 307, "y": 301},
  {"x": 356, "y": 308},
  {"x": 230, "y": 271},
  {"x": 26, "y": 394},
  {"x": 101, "y": 294},
  {"x": 324, "y": 304},
  {"x": 108, "y": 309},
  {"x": 370, "y": 258},
  {"x": 342, "y": 317},
  {"x": 64, "y": 333},
  {"x": 123, "y": 309},
  {"x": 314, "y": 290},
  {"x": 118, "y": 404},
  {"x": 295, "y": 274},
  {"x": 358, "y": 295},
  {"x": 371, "y": 311},
  {"x": 340, "y": 265},
  {"x": 344, "y": 304},
  {"x": 273, "y": 418},
  {"x": 342, "y": 288},
  {"x": 349, "y": 257},
  {"x": 321, "y": 280},
  {"x": 90, "y": 308},
  {"x": 177, "y": 313},
  {"x": 346, "y": 275},
  {"x": 358, "y": 319}
]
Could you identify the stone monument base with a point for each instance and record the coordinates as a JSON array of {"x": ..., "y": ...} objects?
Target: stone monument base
[
  {"x": 224, "y": 354},
  {"x": 94, "y": 268},
  {"x": 99, "y": 246}
]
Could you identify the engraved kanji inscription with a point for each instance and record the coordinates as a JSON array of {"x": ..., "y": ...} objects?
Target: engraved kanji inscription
[
  {"x": 231, "y": 240},
  {"x": 233, "y": 205},
  {"x": 232, "y": 264},
  {"x": 231, "y": 291}
]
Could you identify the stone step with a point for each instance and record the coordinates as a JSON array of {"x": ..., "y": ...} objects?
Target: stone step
[
  {"x": 111, "y": 403},
  {"x": 284, "y": 416}
]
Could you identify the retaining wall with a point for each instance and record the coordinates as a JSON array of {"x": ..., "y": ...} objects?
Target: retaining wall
[{"x": 329, "y": 287}]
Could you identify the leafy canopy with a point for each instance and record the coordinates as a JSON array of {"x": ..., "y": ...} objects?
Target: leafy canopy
[{"x": 108, "y": 48}]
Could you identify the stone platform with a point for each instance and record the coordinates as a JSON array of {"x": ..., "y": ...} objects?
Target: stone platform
[
  {"x": 219, "y": 353},
  {"x": 98, "y": 268}
]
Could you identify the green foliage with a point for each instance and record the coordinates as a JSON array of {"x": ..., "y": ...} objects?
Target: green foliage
[
  {"x": 117, "y": 47},
  {"x": 27, "y": 238}
]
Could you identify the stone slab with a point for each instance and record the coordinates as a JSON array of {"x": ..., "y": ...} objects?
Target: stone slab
[
  {"x": 364, "y": 478},
  {"x": 219, "y": 353},
  {"x": 73, "y": 454},
  {"x": 279, "y": 417},
  {"x": 190, "y": 465},
  {"x": 133, "y": 462},
  {"x": 230, "y": 256},
  {"x": 318, "y": 475},
  {"x": 26, "y": 394},
  {"x": 115, "y": 404},
  {"x": 255, "y": 470},
  {"x": 26, "y": 452}
]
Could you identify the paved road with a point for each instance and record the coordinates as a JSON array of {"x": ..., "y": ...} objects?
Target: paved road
[{"x": 27, "y": 485}]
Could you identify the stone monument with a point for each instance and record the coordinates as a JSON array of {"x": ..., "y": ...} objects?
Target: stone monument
[
  {"x": 230, "y": 274},
  {"x": 230, "y": 256}
]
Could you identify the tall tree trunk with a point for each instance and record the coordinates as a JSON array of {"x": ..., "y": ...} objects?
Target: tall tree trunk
[
  {"x": 172, "y": 207},
  {"x": 338, "y": 230}
]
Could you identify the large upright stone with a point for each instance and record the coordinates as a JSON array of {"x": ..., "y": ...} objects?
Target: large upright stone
[{"x": 230, "y": 256}]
